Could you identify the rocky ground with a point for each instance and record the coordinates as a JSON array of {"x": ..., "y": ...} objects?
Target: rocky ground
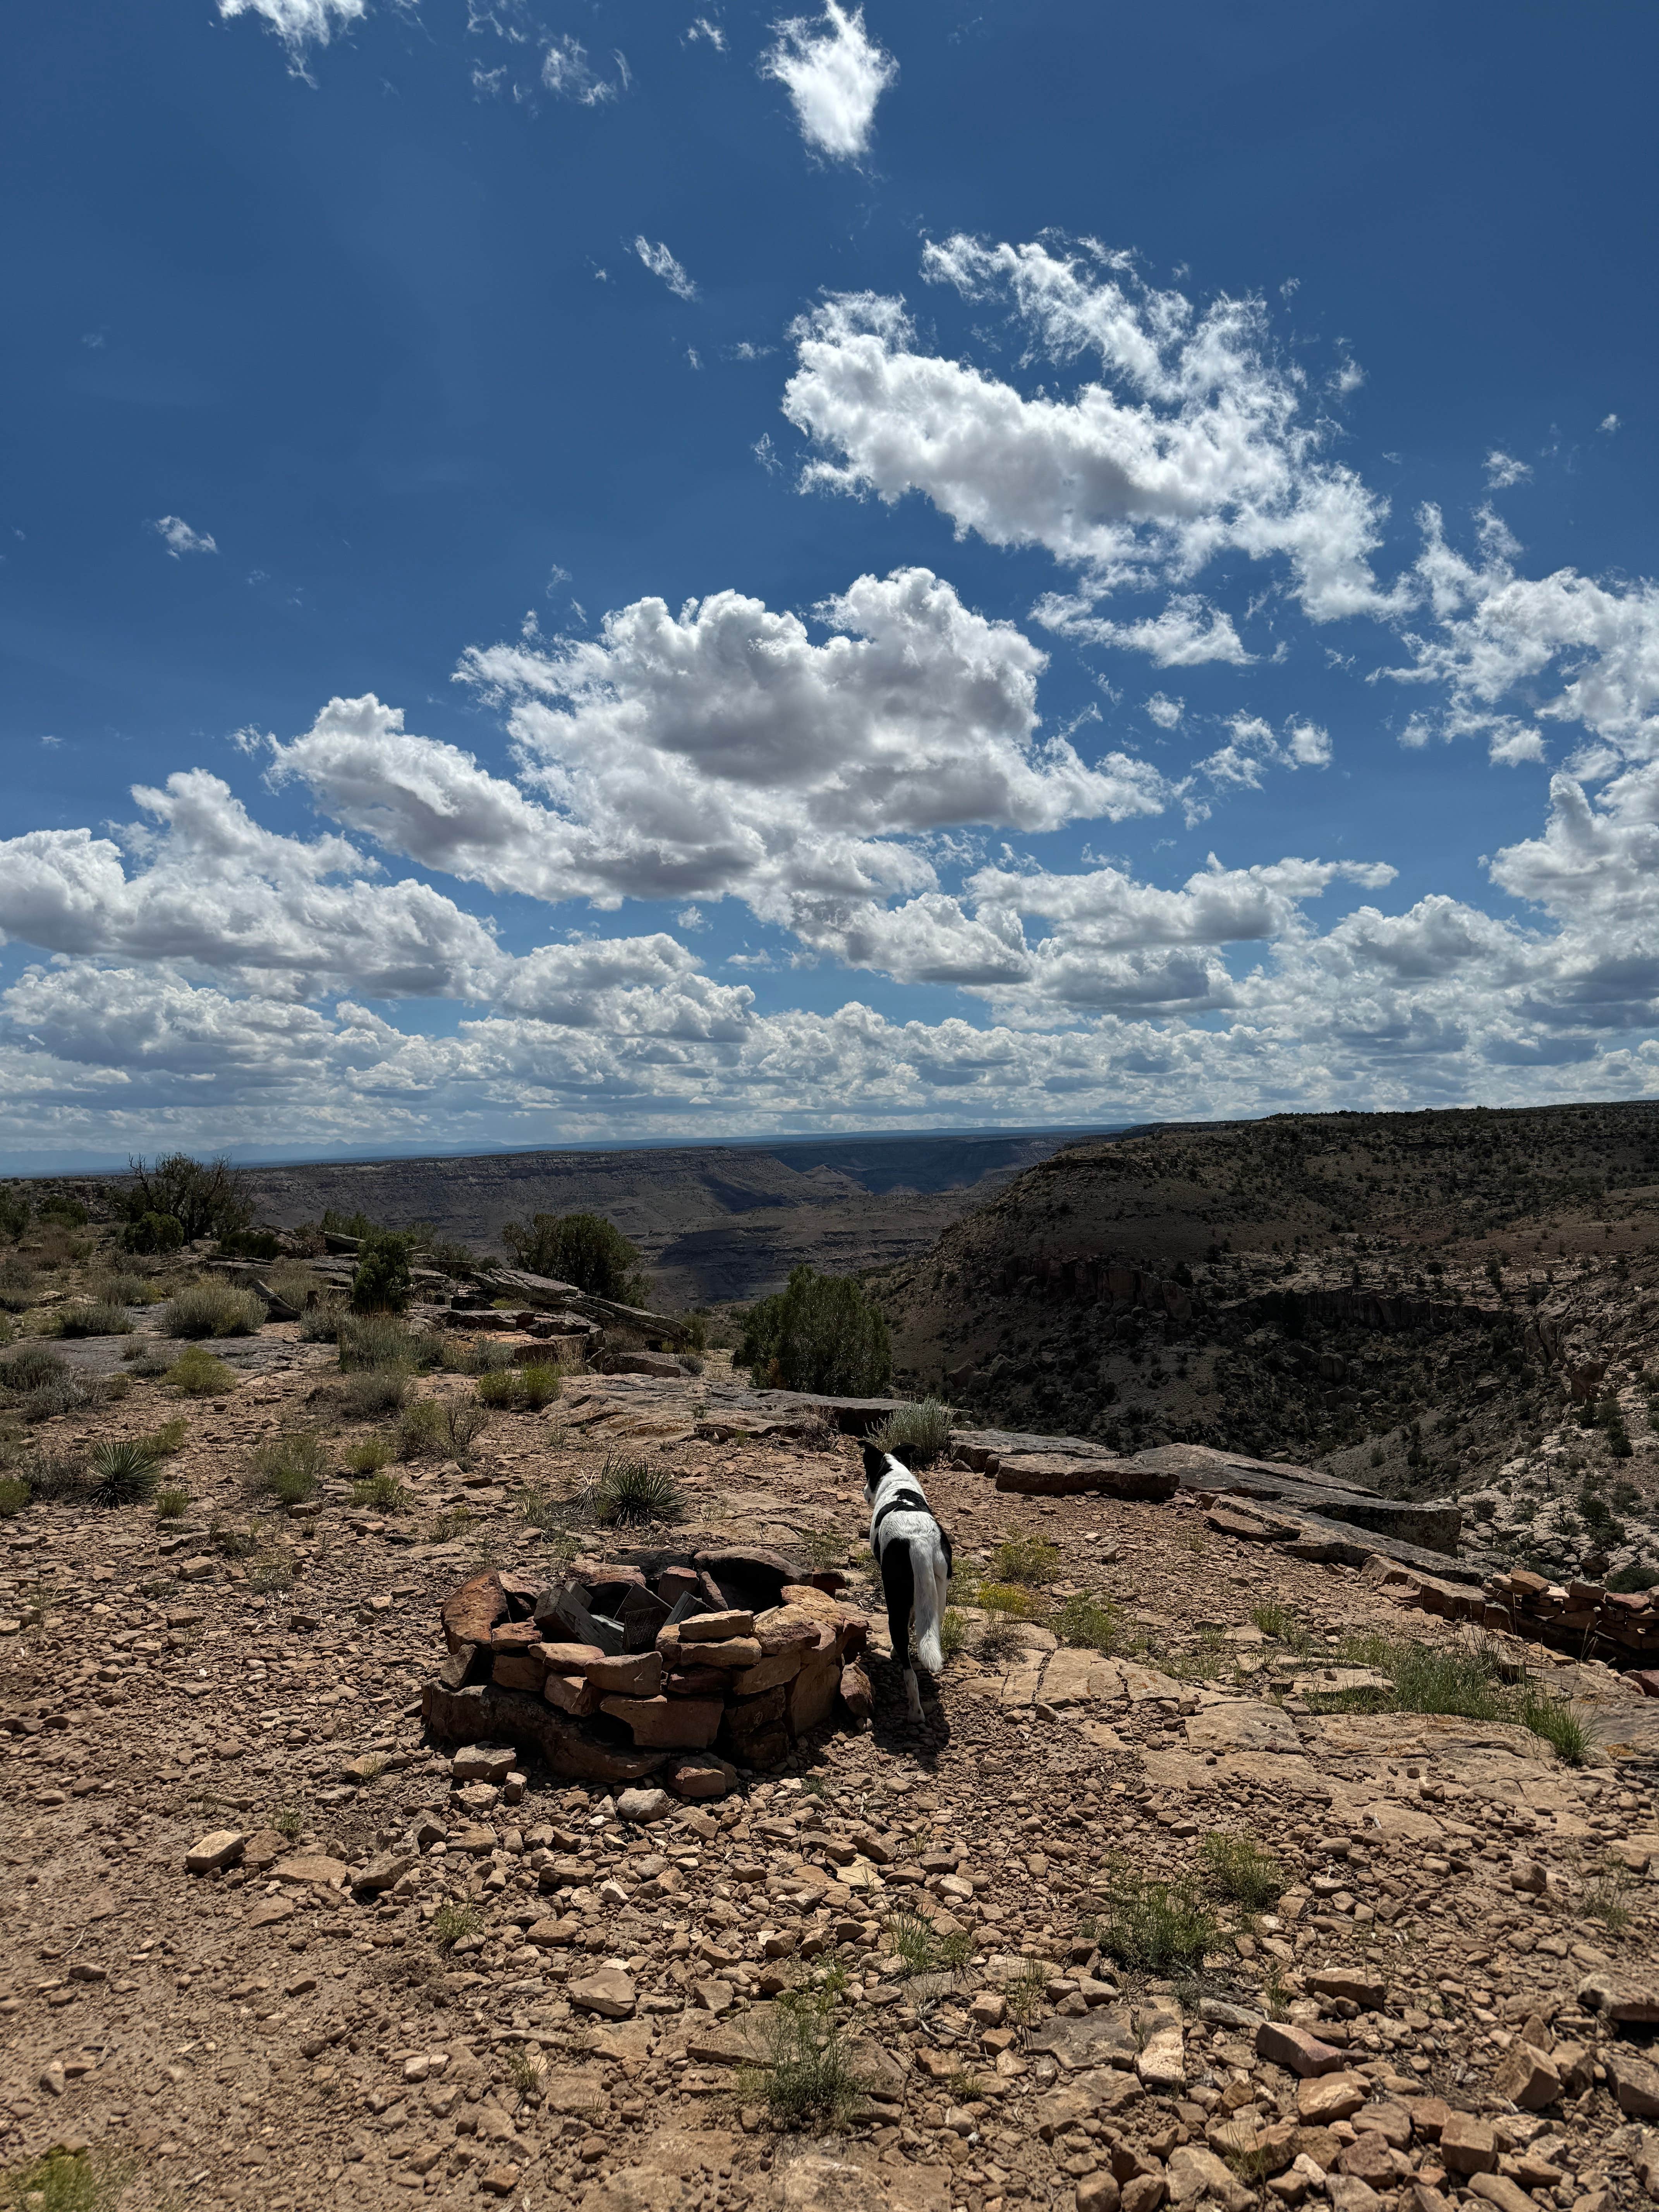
[{"x": 1450, "y": 1998}]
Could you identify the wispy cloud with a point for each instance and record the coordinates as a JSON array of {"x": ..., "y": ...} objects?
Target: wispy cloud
[
  {"x": 567, "y": 73},
  {"x": 703, "y": 29},
  {"x": 178, "y": 537},
  {"x": 299, "y": 23},
  {"x": 1503, "y": 469},
  {"x": 834, "y": 73},
  {"x": 661, "y": 262}
]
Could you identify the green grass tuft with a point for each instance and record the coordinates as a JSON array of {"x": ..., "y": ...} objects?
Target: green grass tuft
[
  {"x": 172, "y": 1504},
  {"x": 1155, "y": 1927},
  {"x": 923, "y": 1427},
  {"x": 96, "y": 1318},
  {"x": 1088, "y": 1621},
  {"x": 450, "y": 1922},
  {"x": 214, "y": 1309},
  {"x": 197, "y": 1373},
  {"x": 1239, "y": 1869},
  {"x": 1023, "y": 1559},
  {"x": 807, "y": 2074},
  {"x": 383, "y": 1491},
  {"x": 289, "y": 1469}
]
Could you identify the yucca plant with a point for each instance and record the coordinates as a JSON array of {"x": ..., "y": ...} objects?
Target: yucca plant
[
  {"x": 124, "y": 1472},
  {"x": 633, "y": 1490}
]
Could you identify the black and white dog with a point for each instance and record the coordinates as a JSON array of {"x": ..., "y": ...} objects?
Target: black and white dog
[{"x": 913, "y": 1554}]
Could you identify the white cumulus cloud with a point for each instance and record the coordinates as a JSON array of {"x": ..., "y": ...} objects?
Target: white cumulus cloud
[
  {"x": 1192, "y": 444},
  {"x": 299, "y": 24},
  {"x": 1503, "y": 469},
  {"x": 834, "y": 74}
]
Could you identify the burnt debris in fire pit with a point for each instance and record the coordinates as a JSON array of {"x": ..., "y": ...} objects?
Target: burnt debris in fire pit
[{"x": 648, "y": 1663}]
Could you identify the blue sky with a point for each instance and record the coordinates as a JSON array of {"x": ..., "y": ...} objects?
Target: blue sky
[{"x": 583, "y": 572}]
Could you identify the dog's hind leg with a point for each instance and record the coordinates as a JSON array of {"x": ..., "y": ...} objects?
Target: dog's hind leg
[{"x": 898, "y": 1581}]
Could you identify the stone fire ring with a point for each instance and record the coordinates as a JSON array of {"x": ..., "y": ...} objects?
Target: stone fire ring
[{"x": 679, "y": 1665}]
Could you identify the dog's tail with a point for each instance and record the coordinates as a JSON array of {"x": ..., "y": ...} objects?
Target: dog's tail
[{"x": 929, "y": 1650}]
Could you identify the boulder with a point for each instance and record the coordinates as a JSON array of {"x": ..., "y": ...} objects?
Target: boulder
[
  {"x": 570, "y": 1753},
  {"x": 668, "y": 1723}
]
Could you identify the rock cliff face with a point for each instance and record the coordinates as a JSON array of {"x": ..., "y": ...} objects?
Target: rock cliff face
[{"x": 1435, "y": 1303}]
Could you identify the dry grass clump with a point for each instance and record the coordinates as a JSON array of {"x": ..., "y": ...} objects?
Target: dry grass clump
[{"x": 214, "y": 1309}]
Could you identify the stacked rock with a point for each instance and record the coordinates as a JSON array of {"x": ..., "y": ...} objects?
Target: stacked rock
[{"x": 621, "y": 1663}]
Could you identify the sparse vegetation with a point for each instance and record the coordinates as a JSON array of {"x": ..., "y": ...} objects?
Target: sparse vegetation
[
  {"x": 922, "y": 1950},
  {"x": 370, "y": 1340},
  {"x": 804, "y": 2070},
  {"x": 382, "y": 1491},
  {"x": 922, "y": 1432},
  {"x": 450, "y": 1923},
  {"x": 635, "y": 1490},
  {"x": 583, "y": 1249},
  {"x": 1023, "y": 1559},
  {"x": 124, "y": 1472},
  {"x": 207, "y": 1309},
  {"x": 381, "y": 1281},
  {"x": 524, "y": 1390},
  {"x": 1088, "y": 1621},
  {"x": 822, "y": 1333},
  {"x": 419, "y": 1430},
  {"x": 15, "y": 1494},
  {"x": 289, "y": 1469},
  {"x": 1468, "y": 1680},
  {"x": 368, "y": 1392},
  {"x": 172, "y": 1504},
  {"x": 202, "y": 1198},
  {"x": 1011, "y": 1600},
  {"x": 95, "y": 1317},
  {"x": 1155, "y": 1927},
  {"x": 1238, "y": 1869},
  {"x": 368, "y": 1455},
  {"x": 197, "y": 1373},
  {"x": 1607, "y": 1898}
]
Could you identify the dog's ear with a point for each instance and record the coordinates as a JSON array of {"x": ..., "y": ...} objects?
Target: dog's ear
[
  {"x": 875, "y": 1463},
  {"x": 905, "y": 1455}
]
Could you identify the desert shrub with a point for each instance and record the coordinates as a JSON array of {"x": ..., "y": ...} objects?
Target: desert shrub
[
  {"x": 124, "y": 1472},
  {"x": 377, "y": 1341},
  {"x": 381, "y": 1283},
  {"x": 1238, "y": 1869},
  {"x": 124, "y": 1289},
  {"x": 820, "y": 1333},
  {"x": 419, "y": 1431},
  {"x": 1088, "y": 1621},
  {"x": 920, "y": 1949},
  {"x": 67, "y": 1212},
  {"x": 383, "y": 1491},
  {"x": 28, "y": 1369},
  {"x": 525, "y": 1390},
  {"x": 633, "y": 1490},
  {"x": 583, "y": 1249},
  {"x": 162, "y": 1442},
  {"x": 292, "y": 1282},
  {"x": 15, "y": 1493},
  {"x": 1629, "y": 1580},
  {"x": 804, "y": 2070},
  {"x": 94, "y": 1319},
  {"x": 1607, "y": 1897},
  {"x": 321, "y": 1324},
  {"x": 272, "y": 1571},
  {"x": 451, "y": 1923},
  {"x": 924, "y": 1427},
  {"x": 461, "y": 1422},
  {"x": 1012, "y": 1599},
  {"x": 197, "y": 1373},
  {"x": 290, "y": 1468},
  {"x": 172, "y": 1504},
  {"x": 14, "y": 1211},
  {"x": 67, "y": 2179},
  {"x": 372, "y": 1391},
  {"x": 1155, "y": 1927},
  {"x": 250, "y": 1244},
  {"x": 1022, "y": 1558},
  {"x": 368, "y": 1455},
  {"x": 214, "y": 1309},
  {"x": 19, "y": 1284},
  {"x": 54, "y": 1476},
  {"x": 154, "y": 1233},
  {"x": 206, "y": 1198},
  {"x": 1568, "y": 1734}
]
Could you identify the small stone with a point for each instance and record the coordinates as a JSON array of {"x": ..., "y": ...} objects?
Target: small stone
[
  {"x": 644, "y": 1806},
  {"x": 499, "y": 2180},
  {"x": 311, "y": 1867},
  {"x": 1467, "y": 2145},
  {"x": 1497, "y": 2189},
  {"x": 1375, "y": 2161},
  {"x": 1328, "y": 2098},
  {"x": 703, "y": 1778},
  {"x": 219, "y": 1848},
  {"x": 1620, "y": 1997},
  {"x": 1294, "y": 2048},
  {"x": 1194, "y": 2174},
  {"x": 483, "y": 1762},
  {"x": 1097, "y": 2192},
  {"x": 1358, "y": 1989},
  {"x": 1348, "y": 2193},
  {"x": 717, "y": 1628},
  {"x": 610, "y": 1993},
  {"x": 383, "y": 1870},
  {"x": 1526, "y": 2076},
  {"x": 1635, "y": 2083},
  {"x": 1143, "y": 2192},
  {"x": 51, "y": 2078},
  {"x": 1527, "y": 1876}
]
